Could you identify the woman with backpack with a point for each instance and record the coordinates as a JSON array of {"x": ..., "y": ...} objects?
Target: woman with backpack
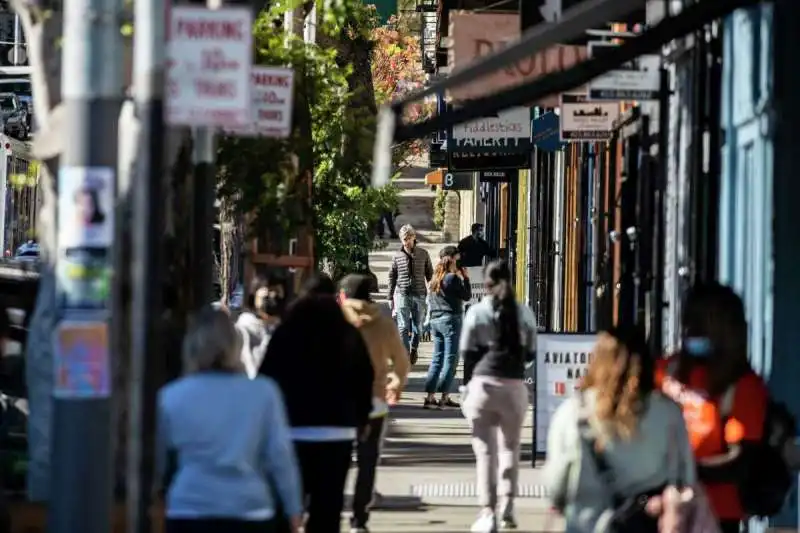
[
  {"x": 499, "y": 336},
  {"x": 724, "y": 401},
  {"x": 617, "y": 442}
]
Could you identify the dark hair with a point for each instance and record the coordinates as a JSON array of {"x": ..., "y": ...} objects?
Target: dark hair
[
  {"x": 270, "y": 305},
  {"x": 323, "y": 314},
  {"x": 715, "y": 311},
  {"x": 475, "y": 227},
  {"x": 497, "y": 277},
  {"x": 356, "y": 286},
  {"x": 448, "y": 251},
  {"x": 256, "y": 284},
  {"x": 319, "y": 284}
]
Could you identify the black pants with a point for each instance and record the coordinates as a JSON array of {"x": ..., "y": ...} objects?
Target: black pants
[
  {"x": 368, "y": 452},
  {"x": 729, "y": 526},
  {"x": 387, "y": 217},
  {"x": 218, "y": 525},
  {"x": 323, "y": 467}
]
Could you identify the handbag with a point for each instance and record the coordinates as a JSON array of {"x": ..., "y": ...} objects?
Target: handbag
[{"x": 628, "y": 514}]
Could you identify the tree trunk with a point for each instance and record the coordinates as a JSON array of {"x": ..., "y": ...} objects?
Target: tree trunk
[{"x": 231, "y": 237}]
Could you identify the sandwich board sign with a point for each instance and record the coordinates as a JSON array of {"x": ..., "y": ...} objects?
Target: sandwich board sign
[{"x": 638, "y": 80}]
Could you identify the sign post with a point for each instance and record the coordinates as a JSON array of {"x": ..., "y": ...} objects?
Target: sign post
[
  {"x": 210, "y": 59},
  {"x": 81, "y": 459}
]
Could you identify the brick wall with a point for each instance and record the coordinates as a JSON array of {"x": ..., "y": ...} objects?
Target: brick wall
[{"x": 452, "y": 217}]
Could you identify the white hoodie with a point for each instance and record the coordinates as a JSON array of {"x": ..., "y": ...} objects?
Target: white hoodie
[{"x": 255, "y": 338}]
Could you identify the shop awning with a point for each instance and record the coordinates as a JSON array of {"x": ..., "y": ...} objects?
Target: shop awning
[{"x": 592, "y": 13}]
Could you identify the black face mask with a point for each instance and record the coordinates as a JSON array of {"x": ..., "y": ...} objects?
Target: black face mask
[{"x": 272, "y": 305}]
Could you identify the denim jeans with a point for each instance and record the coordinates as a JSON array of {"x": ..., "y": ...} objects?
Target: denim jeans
[
  {"x": 410, "y": 312},
  {"x": 446, "y": 331}
]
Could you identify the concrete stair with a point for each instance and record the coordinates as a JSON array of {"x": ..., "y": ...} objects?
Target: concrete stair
[{"x": 416, "y": 201}]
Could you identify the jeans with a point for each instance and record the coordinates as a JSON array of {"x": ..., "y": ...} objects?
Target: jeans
[
  {"x": 446, "y": 331},
  {"x": 410, "y": 311}
]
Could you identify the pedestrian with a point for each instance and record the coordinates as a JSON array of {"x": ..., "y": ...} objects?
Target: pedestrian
[
  {"x": 387, "y": 216},
  {"x": 449, "y": 289},
  {"x": 263, "y": 307},
  {"x": 223, "y": 440},
  {"x": 474, "y": 248},
  {"x": 500, "y": 335},
  {"x": 409, "y": 274},
  {"x": 322, "y": 365},
  {"x": 617, "y": 427},
  {"x": 724, "y": 401},
  {"x": 385, "y": 349}
]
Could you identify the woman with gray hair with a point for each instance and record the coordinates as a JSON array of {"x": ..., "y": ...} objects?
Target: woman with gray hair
[{"x": 225, "y": 439}]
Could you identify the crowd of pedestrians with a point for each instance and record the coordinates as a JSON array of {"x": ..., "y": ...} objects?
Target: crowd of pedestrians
[{"x": 260, "y": 432}]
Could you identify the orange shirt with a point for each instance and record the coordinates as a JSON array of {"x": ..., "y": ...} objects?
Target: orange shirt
[{"x": 704, "y": 424}]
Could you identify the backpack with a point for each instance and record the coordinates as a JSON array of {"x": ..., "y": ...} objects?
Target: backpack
[{"x": 766, "y": 482}]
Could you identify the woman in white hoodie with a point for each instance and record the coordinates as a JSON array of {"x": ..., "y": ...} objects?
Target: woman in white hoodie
[{"x": 263, "y": 308}]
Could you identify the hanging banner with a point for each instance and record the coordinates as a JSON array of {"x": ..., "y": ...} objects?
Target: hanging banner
[
  {"x": 583, "y": 120},
  {"x": 562, "y": 359},
  {"x": 209, "y": 56}
]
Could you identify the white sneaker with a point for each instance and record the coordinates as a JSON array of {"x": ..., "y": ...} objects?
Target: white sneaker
[{"x": 485, "y": 523}]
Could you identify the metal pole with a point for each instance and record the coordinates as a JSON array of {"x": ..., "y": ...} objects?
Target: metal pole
[
  {"x": 558, "y": 240},
  {"x": 146, "y": 268},
  {"x": 533, "y": 228},
  {"x": 17, "y": 41},
  {"x": 203, "y": 216},
  {"x": 82, "y": 438}
]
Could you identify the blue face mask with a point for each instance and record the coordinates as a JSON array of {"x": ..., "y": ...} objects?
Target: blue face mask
[{"x": 698, "y": 346}]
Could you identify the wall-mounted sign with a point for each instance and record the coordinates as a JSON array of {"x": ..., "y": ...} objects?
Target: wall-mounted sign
[
  {"x": 583, "y": 120},
  {"x": 476, "y": 35},
  {"x": 513, "y": 123},
  {"x": 497, "y": 176},
  {"x": 457, "y": 181},
  {"x": 546, "y": 132},
  {"x": 498, "y": 142},
  {"x": 639, "y": 79},
  {"x": 463, "y": 161}
]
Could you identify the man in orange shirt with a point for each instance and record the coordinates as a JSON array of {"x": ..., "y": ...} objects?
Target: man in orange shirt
[{"x": 724, "y": 402}]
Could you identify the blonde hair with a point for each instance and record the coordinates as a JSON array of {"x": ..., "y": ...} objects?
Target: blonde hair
[
  {"x": 443, "y": 267},
  {"x": 211, "y": 343},
  {"x": 621, "y": 375}
]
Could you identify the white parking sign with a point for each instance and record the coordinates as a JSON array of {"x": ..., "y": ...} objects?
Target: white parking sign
[{"x": 209, "y": 57}]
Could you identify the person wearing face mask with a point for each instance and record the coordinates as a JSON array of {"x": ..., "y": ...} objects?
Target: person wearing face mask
[
  {"x": 263, "y": 309},
  {"x": 724, "y": 401}
]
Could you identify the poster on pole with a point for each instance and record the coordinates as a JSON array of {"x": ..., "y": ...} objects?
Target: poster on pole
[
  {"x": 82, "y": 362},
  {"x": 272, "y": 90},
  {"x": 209, "y": 57},
  {"x": 562, "y": 359},
  {"x": 584, "y": 120},
  {"x": 85, "y": 207}
]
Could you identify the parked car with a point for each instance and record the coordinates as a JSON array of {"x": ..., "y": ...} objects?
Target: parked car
[
  {"x": 28, "y": 252},
  {"x": 15, "y": 116},
  {"x": 22, "y": 88}
]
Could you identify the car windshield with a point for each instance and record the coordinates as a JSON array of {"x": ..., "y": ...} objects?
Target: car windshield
[
  {"x": 6, "y": 103},
  {"x": 29, "y": 253}
]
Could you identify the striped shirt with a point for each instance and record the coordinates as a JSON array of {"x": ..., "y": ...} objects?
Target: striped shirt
[{"x": 410, "y": 273}]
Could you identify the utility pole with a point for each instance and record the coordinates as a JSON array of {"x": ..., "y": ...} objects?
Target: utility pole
[
  {"x": 92, "y": 90},
  {"x": 147, "y": 264}
]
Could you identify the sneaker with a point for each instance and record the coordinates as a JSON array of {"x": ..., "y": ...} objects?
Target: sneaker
[
  {"x": 359, "y": 529},
  {"x": 430, "y": 404},
  {"x": 485, "y": 523},
  {"x": 413, "y": 355},
  {"x": 449, "y": 403},
  {"x": 508, "y": 522}
]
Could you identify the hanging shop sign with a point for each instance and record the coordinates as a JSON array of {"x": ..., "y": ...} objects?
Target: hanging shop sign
[
  {"x": 475, "y": 35},
  {"x": 208, "y": 67},
  {"x": 457, "y": 181},
  {"x": 497, "y": 176},
  {"x": 499, "y": 142},
  {"x": 546, "y": 132},
  {"x": 583, "y": 120},
  {"x": 638, "y": 80},
  {"x": 562, "y": 359}
]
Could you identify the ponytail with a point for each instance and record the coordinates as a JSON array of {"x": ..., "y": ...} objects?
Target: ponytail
[{"x": 504, "y": 304}]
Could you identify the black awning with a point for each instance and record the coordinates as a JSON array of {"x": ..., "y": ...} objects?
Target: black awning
[{"x": 689, "y": 19}]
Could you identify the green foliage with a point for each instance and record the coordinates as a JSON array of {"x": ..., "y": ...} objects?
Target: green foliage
[
  {"x": 439, "y": 204},
  {"x": 263, "y": 177}
]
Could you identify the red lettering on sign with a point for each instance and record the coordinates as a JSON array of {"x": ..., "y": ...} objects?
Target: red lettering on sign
[
  {"x": 270, "y": 114},
  {"x": 211, "y": 29},
  {"x": 215, "y": 89},
  {"x": 270, "y": 80}
]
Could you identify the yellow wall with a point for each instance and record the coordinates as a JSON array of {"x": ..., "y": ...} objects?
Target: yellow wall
[{"x": 522, "y": 235}]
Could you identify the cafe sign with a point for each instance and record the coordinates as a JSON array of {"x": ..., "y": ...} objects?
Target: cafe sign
[{"x": 500, "y": 141}]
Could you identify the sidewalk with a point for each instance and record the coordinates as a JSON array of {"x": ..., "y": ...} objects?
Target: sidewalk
[{"x": 427, "y": 476}]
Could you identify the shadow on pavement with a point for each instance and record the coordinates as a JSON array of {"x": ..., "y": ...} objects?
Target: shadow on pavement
[
  {"x": 410, "y": 453},
  {"x": 406, "y": 411},
  {"x": 389, "y": 503}
]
